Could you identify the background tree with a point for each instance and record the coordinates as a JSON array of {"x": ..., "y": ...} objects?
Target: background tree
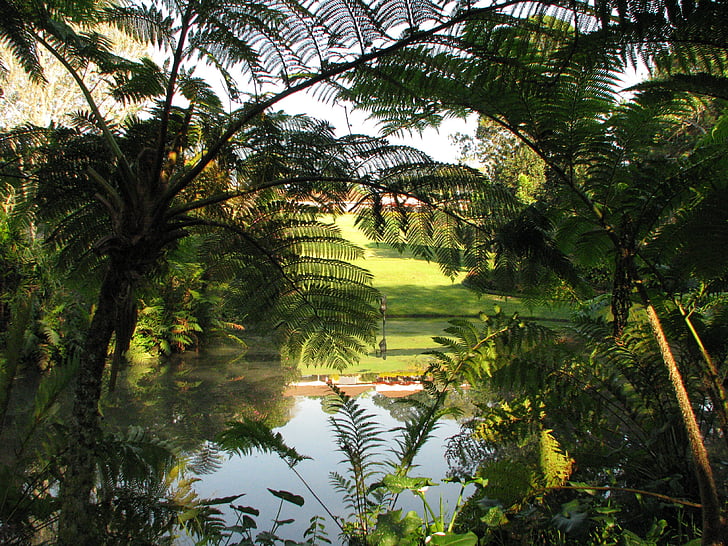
[
  {"x": 504, "y": 159},
  {"x": 57, "y": 98}
]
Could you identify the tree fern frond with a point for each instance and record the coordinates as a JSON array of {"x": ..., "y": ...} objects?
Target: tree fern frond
[
  {"x": 144, "y": 81},
  {"x": 408, "y": 13},
  {"x": 416, "y": 430},
  {"x": 14, "y": 33},
  {"x": 556, "y": 465},
  {"x": 358, "y": 435},
  {"x": 351, "y": 22},
  {"x": 145, "y": 23},
  {"x": 345, "y": 487},
  {"x": 701, "y": 83},
  {"x": 245, "y": 436},
  {"x": 206, "y": 460}
]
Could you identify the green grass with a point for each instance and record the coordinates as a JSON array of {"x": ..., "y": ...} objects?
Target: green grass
[{"x": 420, "y": 302}]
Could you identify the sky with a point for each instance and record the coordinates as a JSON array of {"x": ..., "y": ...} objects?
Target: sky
[{"x": 434, "y": 142}]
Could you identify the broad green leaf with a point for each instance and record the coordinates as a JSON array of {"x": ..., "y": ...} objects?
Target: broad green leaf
[
  {"x": 450, "y": 539},
  {"x": 571, "y": 517},
  {"x": 397, "y": 484},
  {"x": 393, "y": 531},
  {"x": 585, "y": 486},
  {"x": 288, "y": 497}
]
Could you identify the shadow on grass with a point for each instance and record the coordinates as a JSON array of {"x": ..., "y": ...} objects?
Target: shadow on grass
[
  {"x": 383, "y": 250},
  {"x": 411, "y": 300}
]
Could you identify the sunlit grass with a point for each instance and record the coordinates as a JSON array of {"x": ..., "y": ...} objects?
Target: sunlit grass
[{"x": 420, "y": 302}]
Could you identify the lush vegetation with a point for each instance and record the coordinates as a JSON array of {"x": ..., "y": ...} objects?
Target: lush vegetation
[
  {"x": 420, "y": 302},
  {"x": 152, "y": 215}
]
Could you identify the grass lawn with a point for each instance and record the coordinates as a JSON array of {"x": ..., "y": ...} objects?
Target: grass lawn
[{"x": 420, "y": 301}]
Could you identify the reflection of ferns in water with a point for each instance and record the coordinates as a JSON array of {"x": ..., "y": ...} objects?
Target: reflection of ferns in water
[
  {"x": 465, "y": 453},
  {"x": 207, "y": 459}
]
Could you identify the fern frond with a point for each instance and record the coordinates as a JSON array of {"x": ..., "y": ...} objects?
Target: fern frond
[
  {"x": 245, "y": 436},
  {"x": 145, "y": 23},
  {"x": 16, "y": 34},
  {"x": 416, "y": 430},
  {"x": 143, "y": 81},
  {"x": 556, "y": 465},
  {"x": 358, "y": 437}
]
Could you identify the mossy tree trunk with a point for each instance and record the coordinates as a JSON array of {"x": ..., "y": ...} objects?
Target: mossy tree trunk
[{"x": 77, "y": 524}]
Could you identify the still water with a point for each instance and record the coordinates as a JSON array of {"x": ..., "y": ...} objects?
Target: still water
[
  {"x": 309, "y": 433},
  {"x": 194, "y": 397}
]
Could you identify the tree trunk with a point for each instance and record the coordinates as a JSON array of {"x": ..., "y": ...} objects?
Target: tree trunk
[
  {"x": 716, "y": 391},
  {"x": 77, "y": 524},
  {"x": 714, "y": 525},
  {"x": 13, "y": 348}
]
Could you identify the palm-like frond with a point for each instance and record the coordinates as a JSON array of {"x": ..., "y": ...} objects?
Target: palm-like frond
[
  {"x": 22, "y": 20},
  {"x": 482, "y": 350},
  {"x": 444, "y": 213},
  {"x": 142, "y": 492},
  {"x": 244, "y": 437},
  {"x": 352, "y": 22},
  {"x": 141, "y": 82},
  {"x": 669, "y": 35},
  {"x": 408, "y": 13},
  {"x": 295, "y": 273},
  {"x": 357, "y": 432},
  {"x": 15, "y": 34},
  {"x": 67, "y": 156},
  {"x": 687, "y": 238},
  {"x": 145, "y": 23}
]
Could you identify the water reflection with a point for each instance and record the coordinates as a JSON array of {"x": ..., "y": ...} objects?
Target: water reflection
[
  {"x": 308, "y": 432},
  {"x": 191, "y": 398}
]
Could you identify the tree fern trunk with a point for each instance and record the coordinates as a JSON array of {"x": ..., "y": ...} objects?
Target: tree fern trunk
[
  {"x": 13, "y": 349},
  {"x": 77, "y": 524},
  {"x": 714, "y": 525},
  {"x": 717, "y": 391}
]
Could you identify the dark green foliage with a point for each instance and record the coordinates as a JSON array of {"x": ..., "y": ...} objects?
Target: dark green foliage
[
  {"x": 629, "y": 191},
  {"x": 33, "y": 433},
  {"x": 605, "y": 406},
  {"x": 619, "y": 170}
]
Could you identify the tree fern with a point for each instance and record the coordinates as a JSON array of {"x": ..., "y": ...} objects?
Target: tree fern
[
  {"x": 143, "y": 493},
  {"x": 152, "y": 186}
]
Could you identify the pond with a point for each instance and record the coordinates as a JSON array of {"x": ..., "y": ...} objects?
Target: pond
[{"x": 193, "y": 397}]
